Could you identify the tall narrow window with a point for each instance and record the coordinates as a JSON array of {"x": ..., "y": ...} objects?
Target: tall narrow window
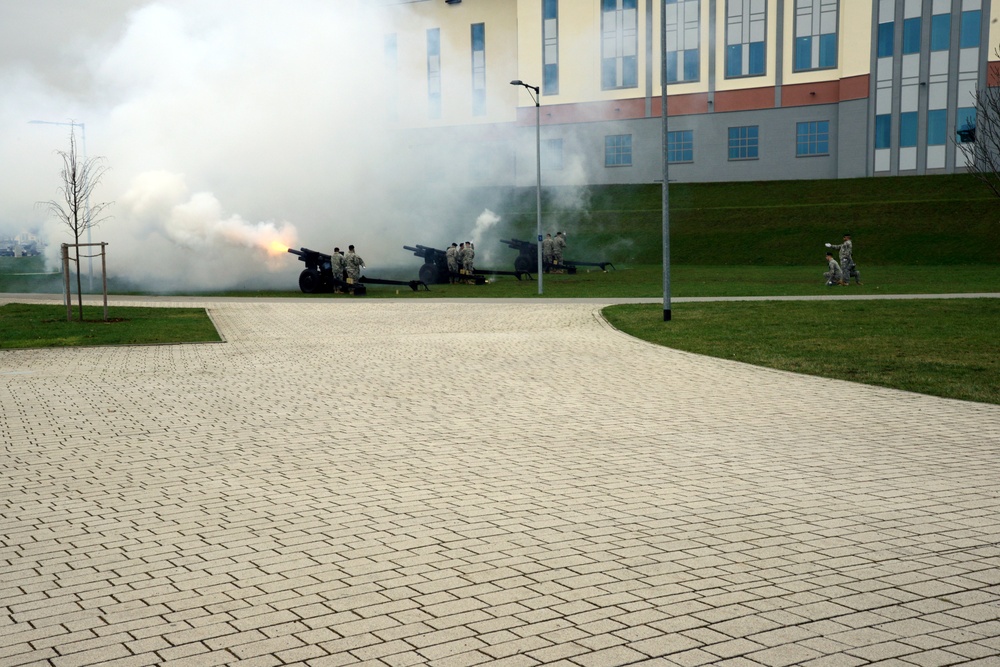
[
  {"x": 746, "y": 30},
  {"x": 965, "y": 125},
  {"x": 908, "y": 129},
  {"x": 812, "y": 138},
  {"x": 885, "y": 37},
  {"x": 550, "y": 47},
  {"x": 816, "y": 34},
  {"x": 937, "y": 127},
  {"x": 619, "y": 44},
  {"x": 680, "y": 146},
  {"x": 911, "y": 35},
  {"x": 434, "y": 72},
  {"x": 940, "y": 32},
  {"x": 478, "y": 69},
  {"x": 618, "y": 150},
  {"x": 743, "y": 143},
  {"x": 683, "y": 38},
  {"x": 883, "y": 131},
  {"x": 970, "y": 29}
]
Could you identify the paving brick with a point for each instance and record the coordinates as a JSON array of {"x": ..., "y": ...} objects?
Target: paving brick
[{"x": 205, "y": 504}]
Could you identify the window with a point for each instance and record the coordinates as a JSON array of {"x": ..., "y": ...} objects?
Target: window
[
  {"x": 969, "y": 32},
  {"x": 815, "y": 34},
  {"x": 885, "y": 37},
  {"x": 743, "y": 143},
  {"x": 434, "y": 72},
  {"x": 940, "y": 32},
  {"x": 550, "y": 47},
  {"x": 683, "y": 33},
  {"x": 680, "y": 146},
  {"x": 883, "y": 131},
  {"x": 618, "y": 150},
  {"x": 478, "y": 69},
  {"x": 552, "y": 154},
  {"x": 911, "y": 35},
  {"x": 965, "y": 125},
  {"x": 619, "y": 44},
  {"x": 812, "y": 138},
  {"x": 937, "y": 122},
  {"x": 746, "y": 27},
  {"x": 908, "y": 129}
]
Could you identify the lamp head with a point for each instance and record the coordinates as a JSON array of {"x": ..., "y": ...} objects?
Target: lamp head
[{"x": 517, "y": 82}]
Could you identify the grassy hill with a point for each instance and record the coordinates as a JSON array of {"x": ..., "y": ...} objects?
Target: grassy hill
[{"x": 922, "y": 220}]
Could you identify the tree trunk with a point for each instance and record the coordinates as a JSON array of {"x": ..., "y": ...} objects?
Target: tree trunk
[{"x": 79, "y": 284}]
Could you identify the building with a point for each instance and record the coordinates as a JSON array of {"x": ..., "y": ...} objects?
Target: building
[{"x": 757, "y": 89}]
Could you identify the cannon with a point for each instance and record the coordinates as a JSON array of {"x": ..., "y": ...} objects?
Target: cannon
[
  {"x": 435, "y": 267},
  {"x": 318, "y": 276},
  {"x": 527, "y": 258}
]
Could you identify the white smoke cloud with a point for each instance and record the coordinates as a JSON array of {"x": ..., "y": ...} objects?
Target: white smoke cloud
[{"x": 227, "y": 126}]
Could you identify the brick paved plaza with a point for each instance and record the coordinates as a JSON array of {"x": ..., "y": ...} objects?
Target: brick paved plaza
[{"x": 512, "y": 483}]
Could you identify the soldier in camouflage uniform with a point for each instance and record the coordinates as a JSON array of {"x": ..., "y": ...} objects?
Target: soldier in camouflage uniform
[
  {"x": 337, "y": 265},
  {"x": 834, "y": 276},
  {"x": 451, "y": 255},
  {"x": 558, "y": 246},
  {"x": 354, "y": 264},
  {"x": 847, "y": 264},
  {"x": 468, "y": 258},
  {"x": 547, "y": 252}
]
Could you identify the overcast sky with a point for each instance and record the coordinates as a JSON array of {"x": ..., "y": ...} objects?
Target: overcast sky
[{"x": 226, "y": 124}]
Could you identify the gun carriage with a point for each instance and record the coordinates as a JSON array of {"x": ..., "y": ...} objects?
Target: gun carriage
[
  {"x": 435, "y": 267},
  {"x": 318, "y": 276},
  {"x": 527, "y": 258}
]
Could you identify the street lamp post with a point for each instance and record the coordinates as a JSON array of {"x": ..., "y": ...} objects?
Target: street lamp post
[
  {"x": 666, "y": 165},
  {"x": 83, "y": 139},
  {"x": 536, "y": 96}
]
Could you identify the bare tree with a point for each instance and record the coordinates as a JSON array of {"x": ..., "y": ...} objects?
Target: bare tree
[
  {"x": 979, "y": 138},
  {"x": 80, "y": 175}
]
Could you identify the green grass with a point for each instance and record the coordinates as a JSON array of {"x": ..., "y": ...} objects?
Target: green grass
[
  {"x": 32, "y": 325},
  {"x": 939, "y": 347}
]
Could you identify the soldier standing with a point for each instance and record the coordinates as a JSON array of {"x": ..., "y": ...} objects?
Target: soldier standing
[
  {"x": 547, "y": 252},
  {"x": 354, "y": 264},
  {"x": 468, "y": 258},
  {"x": 834, "y": 276},
  {"x": 337, "y": 265},
  {"x": 451, "y": 254},
  {"x": 558, "y": 246},
  {"x": 847, "y": 265}
]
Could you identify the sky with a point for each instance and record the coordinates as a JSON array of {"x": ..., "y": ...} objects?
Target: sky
[{"x": 227, "y": 126}]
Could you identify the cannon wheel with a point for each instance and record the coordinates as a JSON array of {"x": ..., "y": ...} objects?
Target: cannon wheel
[
  {"x": 523, "y": 264},
  {"x": 429, "y": 274},
  {"x": 310, "y": 281}
]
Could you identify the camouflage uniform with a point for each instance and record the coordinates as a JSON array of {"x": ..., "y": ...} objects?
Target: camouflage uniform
[
  {"x": 547, "y": 251},
  {"x": 834, "y": 276},
  {"x": 354, "y": 265},
  {"x": 558, "y": 245},
  {"x": 847, "y": 265},
  {"x": 337, "y": 264},
  {"x": 468, "y": 257},
  {"x": 452, "y": 257}
]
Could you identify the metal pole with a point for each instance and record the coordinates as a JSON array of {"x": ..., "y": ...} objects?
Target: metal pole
[
  {"x": 538, "y": 182},
  {"x": 666, "y": 164},
  {"x": 66, "y": 292}
]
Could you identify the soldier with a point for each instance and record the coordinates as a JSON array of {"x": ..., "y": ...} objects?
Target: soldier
[
  {"x": 354, "y": 264},
  {"x": 337, "y": 266},
  {"x": 834, "y": 276},
  {"x": 847, "y": 264},
  {"x": 451, "y": 254},
  {"x": 547, "y": 252},
  {"x": 558, "y": 246},
  {"x": 468, "y": 258},
  {"x": 460, "y": 257}
]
